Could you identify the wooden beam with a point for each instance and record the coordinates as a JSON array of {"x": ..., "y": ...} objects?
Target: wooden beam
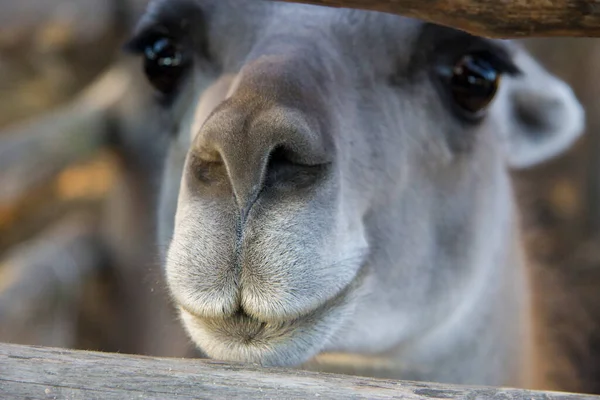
[
  {"x": 39, "y": 372},
  {"x": 45, "y": 274},
  {"x": 492, "y": 18},
  {"x": 33, "y": 152}
]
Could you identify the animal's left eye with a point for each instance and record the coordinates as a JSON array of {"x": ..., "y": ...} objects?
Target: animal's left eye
[
  {"x": 473, "y": 83},
  {"x": 165, "y": 63}
]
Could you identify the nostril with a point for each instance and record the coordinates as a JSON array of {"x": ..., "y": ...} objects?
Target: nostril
[
  {"x": 286, "y": 169},
  {"x": 280, "y": 157},
  {"x": 207, "y": 170}
]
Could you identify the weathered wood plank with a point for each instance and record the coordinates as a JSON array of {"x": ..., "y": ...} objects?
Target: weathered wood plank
[
  {"x": 492, "y": 18},
  {"x": 38, "y": 372}
]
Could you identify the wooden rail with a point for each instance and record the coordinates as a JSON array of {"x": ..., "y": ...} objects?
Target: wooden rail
[
  {"x": 492, "y": 18},
  {"x": 49, "y": 373},
  {"x": 35, "y": 151}
]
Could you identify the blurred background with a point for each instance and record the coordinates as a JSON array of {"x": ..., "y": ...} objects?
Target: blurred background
[{"x": 77, "y": 161}]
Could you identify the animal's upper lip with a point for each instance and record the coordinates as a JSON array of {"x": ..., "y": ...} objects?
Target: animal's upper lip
[{"x": 242, "y": 315}]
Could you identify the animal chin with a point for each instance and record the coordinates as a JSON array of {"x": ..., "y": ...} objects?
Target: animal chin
[{"x": 243, "y": 338}]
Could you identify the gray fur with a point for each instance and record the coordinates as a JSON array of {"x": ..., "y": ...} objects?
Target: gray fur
[{"x": 395, "y": 248}]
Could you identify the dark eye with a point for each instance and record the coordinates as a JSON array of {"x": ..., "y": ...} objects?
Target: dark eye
[
  {"x": 165, "y": 63},
  {"x": 473, "y": 83}
]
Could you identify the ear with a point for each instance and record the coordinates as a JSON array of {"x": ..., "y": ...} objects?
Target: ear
[{"x": 539, "y": 114}]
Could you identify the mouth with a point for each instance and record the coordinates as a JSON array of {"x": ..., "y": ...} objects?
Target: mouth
[{"x": 283, "y": 343}]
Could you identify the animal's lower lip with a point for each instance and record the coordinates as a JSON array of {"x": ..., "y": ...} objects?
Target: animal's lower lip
[
  {"x": 246, "y": 327},
  {"x": 241, "y": 315},
  {"x": 242, "y": 338}
]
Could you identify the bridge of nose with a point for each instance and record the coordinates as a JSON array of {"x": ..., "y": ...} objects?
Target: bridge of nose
[
  {"x": 252, "y": 122},
  {"x": 245, "y": 153},
  {"x": 228, "y": 138}
]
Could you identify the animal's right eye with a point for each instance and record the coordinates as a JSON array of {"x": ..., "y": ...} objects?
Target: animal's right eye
[{"x": 165, "y": 63}]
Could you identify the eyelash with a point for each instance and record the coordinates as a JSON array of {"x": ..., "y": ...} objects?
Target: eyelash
[
  {"x": 499, "y": 61},
  {"x": 137, "y": 44}
]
